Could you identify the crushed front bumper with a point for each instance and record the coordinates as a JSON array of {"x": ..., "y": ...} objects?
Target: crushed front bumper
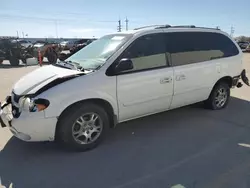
[
  {"x": 5, "y": 113},
  {"x": 26, "y": 126},
  {"x": 6, "y": 117}
]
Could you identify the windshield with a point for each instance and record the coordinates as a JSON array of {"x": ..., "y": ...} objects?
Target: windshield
[{"x": 96, "y": 53}]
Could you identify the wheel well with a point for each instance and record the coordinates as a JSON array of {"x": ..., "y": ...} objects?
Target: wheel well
[
  {"x": 103, "y": 103},
  {"x": 226, "y": 79}
]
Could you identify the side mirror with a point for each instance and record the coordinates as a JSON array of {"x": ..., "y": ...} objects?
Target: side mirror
[{"x": 124, "y": 65}]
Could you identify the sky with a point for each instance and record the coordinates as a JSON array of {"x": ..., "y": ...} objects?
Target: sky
[{"x": 82, "y": 18}]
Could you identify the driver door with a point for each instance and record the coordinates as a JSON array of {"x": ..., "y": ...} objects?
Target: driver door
[{"x": 148, "y": 87}]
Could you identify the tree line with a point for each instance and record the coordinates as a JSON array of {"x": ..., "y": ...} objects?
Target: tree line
[{"x": 242, "y": 39}]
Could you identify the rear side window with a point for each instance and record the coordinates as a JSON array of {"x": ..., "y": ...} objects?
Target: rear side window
[{"x": 194, "y": 47}]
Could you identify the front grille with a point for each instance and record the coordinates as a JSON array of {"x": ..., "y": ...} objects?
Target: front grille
[{"x": 15, "y": 110}]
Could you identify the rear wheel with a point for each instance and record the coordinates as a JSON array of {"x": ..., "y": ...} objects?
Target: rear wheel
[
  {"x": 82, "y": 127},
  {"x": 219, "y": 97}
]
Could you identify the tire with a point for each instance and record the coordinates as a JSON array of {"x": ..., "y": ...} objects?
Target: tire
[
  {"x": 14, "y": 61},
  {"x": 1, "y": 61},
  {"x": 67, "y": 126},
  {"x": 213, "y": 101},
  {"x": 52, "y": 58},
  {"x": 63, "y": 56}
]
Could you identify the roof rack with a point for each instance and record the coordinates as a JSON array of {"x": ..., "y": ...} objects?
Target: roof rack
[
  {"x": 163, "y": 26},
  {"x": 175, "y": 26},
  {"x": 184, "y": 26},
  {"x": 216, "y": 28},
  {"x": 148, "y": 26},
  {"x": 192, "y": 26}
]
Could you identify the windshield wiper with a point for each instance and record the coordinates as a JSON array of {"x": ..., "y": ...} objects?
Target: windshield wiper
[
  {"x": 75, "y": 64},
  {"x": 70, "y": 65}
]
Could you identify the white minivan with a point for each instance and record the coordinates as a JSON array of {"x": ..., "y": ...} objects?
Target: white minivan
[{"x": 120, "y": 77}]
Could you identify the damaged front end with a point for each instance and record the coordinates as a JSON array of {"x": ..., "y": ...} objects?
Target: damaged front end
[
  {"x": 15, "y": 104},
  {"x": 5, "y": 112}
]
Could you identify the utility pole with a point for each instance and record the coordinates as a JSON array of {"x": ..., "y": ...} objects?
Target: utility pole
[
  {"x": 23, "y": 34},
  {"x": 232, "y": 31},
  {"x": 126, "y": 23},
  {"x": 119, "y": 27},
  {"x": 17, "y": 34}
]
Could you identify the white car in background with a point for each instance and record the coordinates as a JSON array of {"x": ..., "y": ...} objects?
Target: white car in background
[
  {"x": 25, "y": 43},
  {"x": 123, "y": 76},
  {"x": 66, "y": 45}
]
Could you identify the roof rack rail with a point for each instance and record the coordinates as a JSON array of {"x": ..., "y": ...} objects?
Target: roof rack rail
[
  {"x": 216, "y": 28},
  {"x": 193, "y": 26},
  {"x": 184, "y": 26},
  {"x": 175, "y": 26},
  {"x": 163, "y": 26},
  {"x": 154, "y": 26}
]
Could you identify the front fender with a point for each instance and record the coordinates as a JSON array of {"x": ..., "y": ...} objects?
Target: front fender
[{"x": 59, "y": 104}]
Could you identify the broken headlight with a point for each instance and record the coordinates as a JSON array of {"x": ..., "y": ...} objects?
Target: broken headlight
[{"x": 34, "y": 105}]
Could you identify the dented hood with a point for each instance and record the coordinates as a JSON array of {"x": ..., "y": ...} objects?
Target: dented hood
[{"x": 40, "y": 77}]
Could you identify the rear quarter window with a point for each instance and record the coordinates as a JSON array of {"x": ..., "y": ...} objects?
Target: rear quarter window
[{"x": 194, "y": 47}]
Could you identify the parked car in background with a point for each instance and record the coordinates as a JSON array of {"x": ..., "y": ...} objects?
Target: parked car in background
[
  {"x": 78, "y": 44},
  {"x": 247, "y": 49},
  {"x": 48, "y": 49},
  {"x": 25, "y": 43},
  {"x": 66, "y": 45},
  {"x": 245, "y": 46}
]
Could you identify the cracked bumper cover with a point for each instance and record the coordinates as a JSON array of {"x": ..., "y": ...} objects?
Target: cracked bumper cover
[{"x": 29, "y": 126}]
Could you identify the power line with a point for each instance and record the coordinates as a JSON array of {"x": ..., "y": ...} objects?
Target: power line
[
  {"x": 51, "y": 12},
  {"x": 6, "y": 16}
]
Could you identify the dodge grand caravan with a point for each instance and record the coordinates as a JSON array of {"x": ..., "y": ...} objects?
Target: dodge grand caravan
[{"x": 123, "y": 76}]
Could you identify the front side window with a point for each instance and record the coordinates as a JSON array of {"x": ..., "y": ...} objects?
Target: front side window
[
  {"x": 97, "y": 52},
  {"x": 147, "y": 52},
  {"x": 194, "y": 47}
]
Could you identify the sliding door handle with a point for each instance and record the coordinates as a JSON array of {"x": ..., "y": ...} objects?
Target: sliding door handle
[
  {"x": 180, "y": 77},
  {"x": 166, "y": 80}
]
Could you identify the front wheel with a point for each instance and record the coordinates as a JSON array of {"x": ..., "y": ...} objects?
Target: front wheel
[
  {"x": 82, "y": 127},
  {"x": 219, "y": 97}
]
